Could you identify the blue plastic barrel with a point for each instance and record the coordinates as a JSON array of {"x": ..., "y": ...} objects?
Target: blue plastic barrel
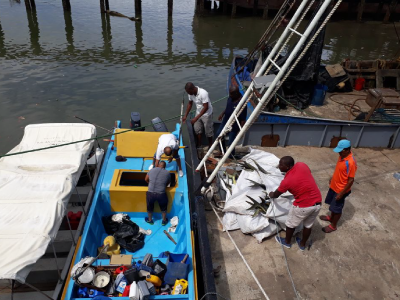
[{"x": 319, "y": 94}]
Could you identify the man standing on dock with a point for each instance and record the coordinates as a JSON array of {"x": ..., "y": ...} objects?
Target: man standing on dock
[
  {"x": 158, "y": 178},
  {"x": 307, "y": 204},
  {"x": 168, "y": 144},
  {"x": 204, "y": 112},
  {"x": 340, "y": 184},
  {"x": 233, "y": 101}
]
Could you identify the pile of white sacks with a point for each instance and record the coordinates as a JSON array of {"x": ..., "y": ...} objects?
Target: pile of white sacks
[{"x": 236, "y": 214}]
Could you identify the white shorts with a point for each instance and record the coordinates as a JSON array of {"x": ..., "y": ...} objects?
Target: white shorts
[{"x": 307, "y": 215}]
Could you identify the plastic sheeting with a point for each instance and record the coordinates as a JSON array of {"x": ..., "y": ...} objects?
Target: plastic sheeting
[
  {"x": 34, "y": 192},
  {"x": 237, "y": 215}
]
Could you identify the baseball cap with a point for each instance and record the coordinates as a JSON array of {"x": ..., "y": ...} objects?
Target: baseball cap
[
  {"x": 343, "y": 144},
  {"x": 120, "y": 158}
]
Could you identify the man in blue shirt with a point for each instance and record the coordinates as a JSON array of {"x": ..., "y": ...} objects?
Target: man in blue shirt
[{"x": 233, "y": 101}]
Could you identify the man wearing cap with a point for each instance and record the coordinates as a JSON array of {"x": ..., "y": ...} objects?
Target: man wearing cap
[
  {"x": 307, "y": 204},
  {"x": 203, "y": 121},
  {"x": 158, "y": 178},
  {"x": 168, "y": 144},
  {"x": 340, "y": 184}
]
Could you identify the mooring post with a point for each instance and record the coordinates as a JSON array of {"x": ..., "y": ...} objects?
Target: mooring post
[
  {"x": 170, "y": 5},
  {"x": 360, "y": 12},
  {"x": 107, "y": 5},
  {"x": 138, "y": 7},
  {"x": 234, "y": 7},
  {"x": 265, "y": 12},
  {"x": 389, "y": 11},
  {"x": 255, "y": 7},
  {"x": 66, "y": 5}
]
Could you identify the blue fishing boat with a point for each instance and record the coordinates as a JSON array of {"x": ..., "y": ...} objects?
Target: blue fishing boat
[{"x": 121, "y": 189}]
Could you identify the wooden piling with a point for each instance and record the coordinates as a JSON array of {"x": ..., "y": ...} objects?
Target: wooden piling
[
  {"x": 102, "y": 7},
  {"x": 107, "y": 5},
  {"x": 225, "y": 7},
  {"x": 66, "y": 5},
  {"x": 360, "y": 11},
  {"x": 389, "y": 11},
  {"x": 200, "y": 9},
  {"x": 234, "y": 7},
  {"x": 30, "y": 4},
  {"x": 138, "y": 7},
  {"x": 170, "y": 6},
  {"x": 33, "y": 5},
  {"x": 265, "y": 12},
  {"x": 255, "y": 7}
]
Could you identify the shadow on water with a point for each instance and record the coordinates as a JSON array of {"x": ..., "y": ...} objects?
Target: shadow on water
[
  {"x": 2, "y": 45},
  {"x": 69, "y": 31},
  {"x": 106, "y": 32},
  {"x": 139, "y": 40},
  {"x": 34, "y": 31},
  {"x": 169, "y": 36}
]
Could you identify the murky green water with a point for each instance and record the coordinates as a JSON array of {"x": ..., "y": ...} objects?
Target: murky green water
[{"x": 54, "y": 65}]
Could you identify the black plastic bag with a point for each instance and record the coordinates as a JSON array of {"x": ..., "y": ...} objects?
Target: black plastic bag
[{"x": 126, "y": 233}]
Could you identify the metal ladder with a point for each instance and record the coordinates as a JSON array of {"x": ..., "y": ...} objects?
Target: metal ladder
[{"x": 284, "y": 72}]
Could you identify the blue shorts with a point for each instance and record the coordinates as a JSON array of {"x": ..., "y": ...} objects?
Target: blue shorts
[
  {"x": 335, "y": 206},
  {"x": 161, "y": 198}
]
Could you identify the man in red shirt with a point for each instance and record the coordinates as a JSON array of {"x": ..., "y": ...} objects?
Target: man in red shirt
[
  {"x": 307, "y": 204},
  {"x": 340, "y": 184}
]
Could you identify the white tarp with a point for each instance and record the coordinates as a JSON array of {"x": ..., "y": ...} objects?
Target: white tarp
[
  {"x": 236, "y": 214},
  {"x": 34, "y": 192}
]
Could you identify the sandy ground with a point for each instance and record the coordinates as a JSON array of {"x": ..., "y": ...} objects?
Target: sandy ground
[{"x": 361, "y": 260}]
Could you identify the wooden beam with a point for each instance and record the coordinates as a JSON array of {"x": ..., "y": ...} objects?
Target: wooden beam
[
  {"x": 265, "y": 12},
  {"x": 234, "y": 7},
  {"x": 66, "y": 5},
  {"x": 389, "y": 11},
  {"x": 255, "y": 7},
  {"x": 170, "y": 7},
  {"x": 360, "y": 11}
]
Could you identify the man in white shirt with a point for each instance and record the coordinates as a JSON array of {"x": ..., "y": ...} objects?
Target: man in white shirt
[
  {"x": 204, "y": 112},
  {"x": 168, "y": 144}
]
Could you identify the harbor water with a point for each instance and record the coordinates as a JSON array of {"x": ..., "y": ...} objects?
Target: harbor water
[{"x": 56, "y": 65}]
